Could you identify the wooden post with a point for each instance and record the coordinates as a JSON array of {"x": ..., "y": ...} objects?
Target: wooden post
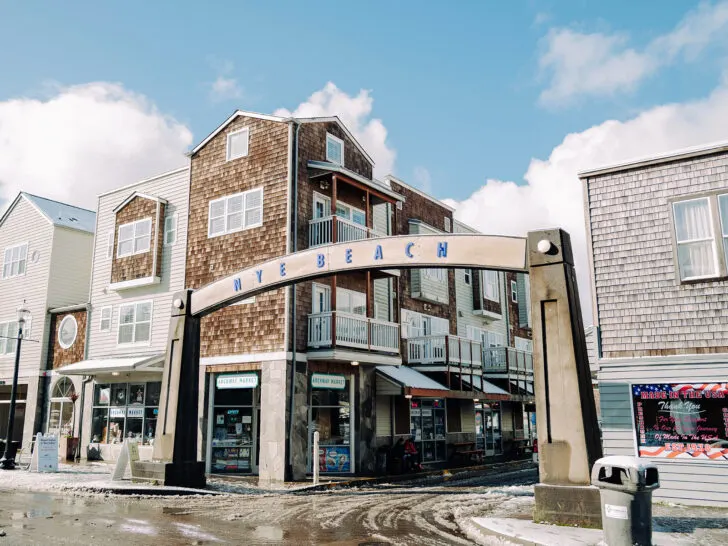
[
  {"x": 334, "y": 223},
  {"x": 369, "y": 307},
  {"x": 333, "y": 311}
]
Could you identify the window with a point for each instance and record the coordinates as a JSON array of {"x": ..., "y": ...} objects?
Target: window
[
  {"x": 105, "y": 322},
  {"x": 16, "y": 258},
  {"x": 353, "y": 214},
  {"x": 125, "y": 410},
  {"x": 696, "y": 253},
  {"x": 321, "y": 298},
  {"x": 110, "y": 244},
  {"x": 488, "y": 339},
  {"x": 348, "y": 301},
  {"x": 334, "y": 149},
  {"x": 67, "y": 331},
  {"x": 61, "y": 414},
  {"x": 723, "y": 206},
  {"x": 514, "y": 291},
  {"x": 237, "y": 144},
  {"x": 170, "y": 229},
  {"x": 468, "y": 273},
  {"x": 8, "y": 337},
  {"x": 447, "y": 224},
  {"x": 235, "y": 213},
  {"x": 321, "y": 205},
  {"x": 435, "y": 274},
  {"x": 134, "y": 238},
  {"x": 490, "y": 286},
  {"x": 135, "y": 322}
]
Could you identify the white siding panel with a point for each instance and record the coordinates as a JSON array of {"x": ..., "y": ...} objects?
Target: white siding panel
[
  {"x": 387, "y": 388},
  {"x": 384, "y": 416},
  {"x": 25, "y": 224},
  {"x": 173, "y": 187},
  {"x": 70, "y": 275}
]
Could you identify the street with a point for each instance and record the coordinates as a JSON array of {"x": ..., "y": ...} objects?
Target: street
[{"x": 421, "y": 512}]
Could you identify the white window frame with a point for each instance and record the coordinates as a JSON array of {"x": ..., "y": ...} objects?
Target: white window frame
[
  {"x": 324, "y": 200},
  {"x": 134, "y": 238},
  {"x": 514, "y": 291},
  {"x": 22, "y": 258},
  {"x": 228, "y": 150},
  {"x": 110, "y": 244},
  {"x": 171, "y": 218},
  {"x": 5, "y": 333},
  {"x": 104, "y": 310},
  {"x": 62, "y": 343},
  {"x": 350, "y": 213},
  {"x": 435, "y": 274},
  {"x": 712, "y": 239},
  {"x": 316, "y": 289},
  {"x": 350, "y": 294},
  {"x": 448, "y": 225},
  {"x": 226, "y": 199},
  {"x": 337, "y": 140},
  {"x": 491, "y": 282},
  {"x": 135, "y": 323},
  {"x": 467, "y": 276}
]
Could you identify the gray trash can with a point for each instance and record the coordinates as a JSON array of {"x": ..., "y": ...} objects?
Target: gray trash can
[{"x": 626, "y": 485}]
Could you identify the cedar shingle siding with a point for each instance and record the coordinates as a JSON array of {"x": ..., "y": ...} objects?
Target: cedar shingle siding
[
  {"x": 644, "y": 309},
  {"x": 75, "y": 353},
  {"x": 138, "y": 266},
  {"x": 208, "y": 259}
]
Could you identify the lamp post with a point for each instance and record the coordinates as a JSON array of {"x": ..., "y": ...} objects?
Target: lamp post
[{"x": 8, "y": 460}]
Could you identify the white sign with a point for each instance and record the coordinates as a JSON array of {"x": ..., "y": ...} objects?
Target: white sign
[
  {"x": 237, "y": 381},
  {"x": 135, "y": 412},
  {"x": 328, "y": 381},
  {"x": 45, "y": 454},
  {"x": 443, "y": 250},
  {"x": 616, "y": 512},
  {"x": 128, "y": 456},
  {"x": 117, "y": 413}
]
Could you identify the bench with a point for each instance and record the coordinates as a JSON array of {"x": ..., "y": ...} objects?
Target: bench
[{"x": 466, "y": 451}]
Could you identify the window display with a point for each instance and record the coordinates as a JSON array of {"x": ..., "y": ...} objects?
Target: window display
[
  {"x": 125, "y": 411},
  {"x": 427, "y": 426},
  {"x": 330, "y": 413}
]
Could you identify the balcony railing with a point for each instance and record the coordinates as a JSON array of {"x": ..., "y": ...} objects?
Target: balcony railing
[
  {"x": 444, "y": 349},
  {"x": 320, "y": 231},
  {"x": 507, "y": 360},
  {"x": 351, "y": 330}
]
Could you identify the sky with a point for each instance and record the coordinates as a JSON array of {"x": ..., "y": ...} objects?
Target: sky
[{"x": 491, "y": 106}]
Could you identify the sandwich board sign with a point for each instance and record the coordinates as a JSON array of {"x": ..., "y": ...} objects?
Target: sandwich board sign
[
  {"x": 45, "y": 454},
  {"x": 128, "y": 456}
]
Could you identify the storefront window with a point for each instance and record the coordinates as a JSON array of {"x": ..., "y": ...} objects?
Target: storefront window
[
  {"x": 234, "y": 423},
  {"x": 60, "y": 416},
  {"x": 427, "y": 426},
  {"x": 331, "y": 415},
  {"x": 125, "y": 411}
]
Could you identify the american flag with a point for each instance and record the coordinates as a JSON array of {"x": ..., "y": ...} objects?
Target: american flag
[{"x": 637, "y": 390}]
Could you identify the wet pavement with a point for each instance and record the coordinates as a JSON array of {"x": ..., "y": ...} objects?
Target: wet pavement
[{"x": 423, "y": 512}]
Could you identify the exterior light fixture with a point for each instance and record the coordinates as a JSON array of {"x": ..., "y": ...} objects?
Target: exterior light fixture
[
  {"x": 476, "y": 399},
  {"x": 354, "y": 362},
  {"x": 114, "y": 373},
  {"x": 408, "y": 396}
]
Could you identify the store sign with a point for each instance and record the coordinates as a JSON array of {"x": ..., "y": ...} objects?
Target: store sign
[
  {"x": 135, "y": 412},
  {"x": 328, "y": 381},
  {"x": 682, "y": 421},
  {"x": 334, "y": 459},
  {"x": 237, "y": 381},
  {"x": 117, "y": 413},
  {"x": 442, "y": 250}
]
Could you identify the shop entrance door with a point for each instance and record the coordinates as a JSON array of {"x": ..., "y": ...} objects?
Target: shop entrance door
[
  {"x": 492, "y": 430},
  {"x": 427, "y": 425}
]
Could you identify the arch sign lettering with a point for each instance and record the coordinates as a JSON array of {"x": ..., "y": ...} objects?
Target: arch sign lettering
[{"x": 402, "y": 252}]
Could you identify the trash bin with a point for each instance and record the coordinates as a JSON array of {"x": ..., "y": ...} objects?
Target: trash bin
[{"x": 626, "y": 485}]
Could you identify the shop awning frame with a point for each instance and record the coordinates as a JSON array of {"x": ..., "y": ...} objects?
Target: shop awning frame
[
  {"x": 490, "y": 392},
  {"x": 115, "y": 365}
]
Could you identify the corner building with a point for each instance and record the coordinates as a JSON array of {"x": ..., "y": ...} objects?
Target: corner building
[{"x": 263, "y": 186}]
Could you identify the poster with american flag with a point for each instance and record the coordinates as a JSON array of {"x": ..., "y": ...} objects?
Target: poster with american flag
[{"x": 682, "y": 420}]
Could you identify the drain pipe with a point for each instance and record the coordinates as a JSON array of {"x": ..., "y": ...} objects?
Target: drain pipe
[
  {"x": 294, "y": 337},
  {"x": 86, "y": 379}
]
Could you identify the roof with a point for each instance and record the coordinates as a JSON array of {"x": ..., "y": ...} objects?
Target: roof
[
  {"x": 407, "y": 377},
  {"x": 279, "y": 119},
  {"x": 375, "y": 184},
  {"x": 675, "y": 155},
  {"x": 485, "y": 386},
  {"x": 126, "y": 201},
  {"x": 57, "y": 213},
  {"x": 110, "y": 365},
  {"x": 418, "y": 192}
]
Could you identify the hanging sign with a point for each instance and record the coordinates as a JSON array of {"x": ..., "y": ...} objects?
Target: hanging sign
[
  {"x": 682, "y": 421},
  {"x": 237, "y": 381},
  {"x": 128, "y": 456},
  {"x": 45, "y": 454},
  {"x": 328, "y": 381}
]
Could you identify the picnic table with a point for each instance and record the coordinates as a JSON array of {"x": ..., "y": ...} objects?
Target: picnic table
[{"x": 466, "y": 451}]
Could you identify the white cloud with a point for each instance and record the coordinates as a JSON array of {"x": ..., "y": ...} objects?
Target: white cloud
[
  {"x": 552, "y": 195},
  {"x": 597, "y": 64},
  {"x": 84, "y": 140},
  {"x": 355, "y": 113},
  {"x": 225, "y": 87}
]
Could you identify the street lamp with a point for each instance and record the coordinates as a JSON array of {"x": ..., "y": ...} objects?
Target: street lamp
[{"x": 8, "y": 460}]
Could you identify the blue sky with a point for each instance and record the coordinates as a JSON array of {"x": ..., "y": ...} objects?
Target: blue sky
[
  {"x": 493, "y": 106},
  {"x": 457, "y": 89}
]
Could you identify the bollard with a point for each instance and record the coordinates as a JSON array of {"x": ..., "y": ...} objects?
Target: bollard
[{"x": 315, "y": 458}]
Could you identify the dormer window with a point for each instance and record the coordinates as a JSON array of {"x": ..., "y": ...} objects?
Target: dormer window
[
  {"x": 134, "y": 238},
  {"x": 334, "y": 149},
  {"x": 237, "y": 144}
]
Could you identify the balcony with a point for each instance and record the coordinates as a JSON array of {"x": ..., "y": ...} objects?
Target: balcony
[
  {"x": 321, "y": 231},
  {"x": 444, "y": 350},
  {"x": 507, "y": 361},
  {"x": 350, "y": 330}
]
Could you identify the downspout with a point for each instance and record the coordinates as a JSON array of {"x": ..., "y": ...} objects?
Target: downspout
[
  {"x": 294, "y": 338},
  {"x": 84, "y": 380}
]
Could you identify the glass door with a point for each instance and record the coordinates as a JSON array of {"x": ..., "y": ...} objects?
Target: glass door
[
  {"x": 427, "y": 426},
  {"x": 234, "y": 430}
]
